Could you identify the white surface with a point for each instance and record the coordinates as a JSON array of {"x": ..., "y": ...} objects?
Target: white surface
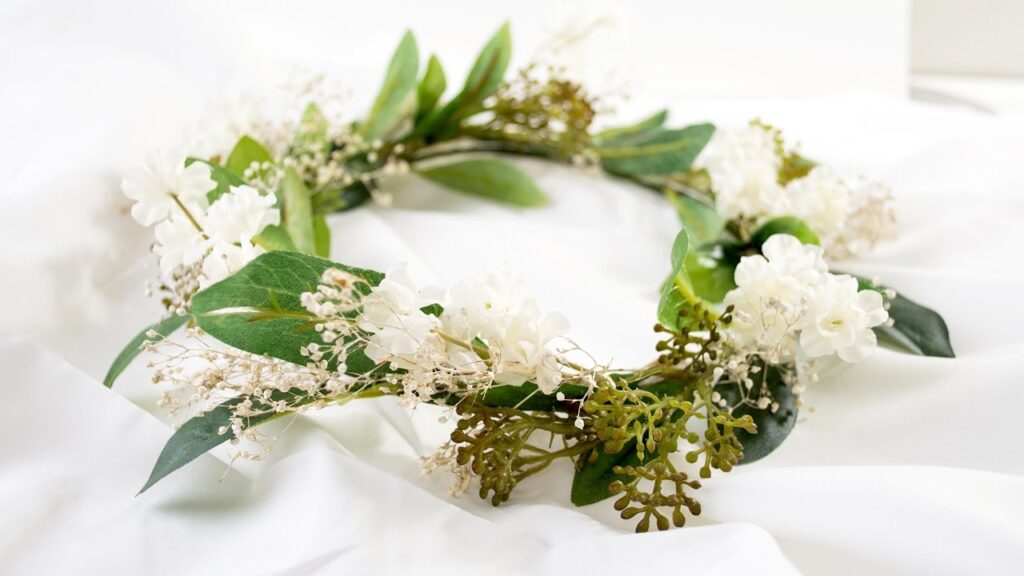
[{"x": 906, "y": 465}]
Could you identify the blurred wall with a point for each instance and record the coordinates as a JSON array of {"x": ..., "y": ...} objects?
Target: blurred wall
[{"x": 978, "y": 37}]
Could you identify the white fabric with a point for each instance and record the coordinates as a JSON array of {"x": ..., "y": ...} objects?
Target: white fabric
[{"x": 900, "y": 464}]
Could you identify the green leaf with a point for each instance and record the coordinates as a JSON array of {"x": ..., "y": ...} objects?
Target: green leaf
[
  {"x": 711, "y": 277},
  {"x": 649, "y": 124},
  {"x": 916, "y": 329},
  {"x": 258, "y": 308},
  {"x": 297, "y": 211},
  {"x": 274, "y": 237},
  {"x": 322, "y": 236},
  {"x": 487, "y": 178},
  {"x": 200, "y": 435},
  {"x": 313, "y": 127},
  {"x": 245, "y": 153},
  {"x": 785, "y": 225},
  {"x": 224, "y": 178},
  {"x": 701, "y": 221},
  {"x": 656, "y": 152},
  {"x": 340, "y": 199},
  {"x": 431, "y": 87},
  {"x": 484, "y": 78},
  {"x": 163, "y": 328},
  {"x": 396, "y": 101},
  {"x": 591, "y": 482},
  {"x": 772, "y": 427},
  {"x": 677, "y": 294}
]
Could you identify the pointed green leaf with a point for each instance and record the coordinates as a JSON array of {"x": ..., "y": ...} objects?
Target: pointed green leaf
[
  {"x": 651, "y": 123},
  {"x": 396, "y": 101},
  {"x": 487, "y": 178},
  {"x": 163, "y": 328},
  {"x": 322, "y": 236},
  {"x": 431, "y": 87},
  {"x": 655, "y": 153},
  {"x": 202, "y": 434},
  {"x": 916, "y": 328},
  {"x": 677, "y": 295},
  {"x": 487, "y": 74},
  {"x": 297, "y": 211},
  {"x": 246, "y": 153},
  {"x": 772, "y": 427},
  {"x": 258, "y": 308},
  {"x": 702, "y": 222}
]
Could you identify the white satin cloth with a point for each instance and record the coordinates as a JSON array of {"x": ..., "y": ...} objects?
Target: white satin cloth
[{"x": 900, "y": 465}]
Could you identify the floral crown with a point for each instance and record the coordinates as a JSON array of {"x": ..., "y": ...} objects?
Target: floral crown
[{"x": 749, "y": 306}]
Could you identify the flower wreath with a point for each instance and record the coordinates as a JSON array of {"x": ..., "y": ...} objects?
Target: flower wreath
[{"x": 273, "y": 327}]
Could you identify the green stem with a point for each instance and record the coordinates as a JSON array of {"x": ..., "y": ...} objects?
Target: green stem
[{"x": 188, "y": 214}]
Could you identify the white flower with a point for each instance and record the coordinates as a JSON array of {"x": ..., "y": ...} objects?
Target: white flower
[
  {"x": 822, "y": 200},
  {"x": 771, "y": 295},
  {"x": 224, "y": 259},
  {"x": 178, "y": 242},
  {"x": 744, "y": 170},
  {"x": 155, "y": 185},
  {"x": 240, "y": 214},
  {"x": 526, "y": 352},
  {"x": 398, "y": 294},
  {"x": 392, "y": 314},
  {"x": 481, "y": 305},
  {"x": 406, "y": 340},
  {"x": 840, "y": 319}
]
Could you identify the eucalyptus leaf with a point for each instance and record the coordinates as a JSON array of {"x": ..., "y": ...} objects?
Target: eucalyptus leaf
[
  {"x": 649, "y": 124},
  {"x": 772, "y": 427},
  {"x": 487, "y": 74},
  {"x": 396, "y": 101},
  {"x": 258, "y": 308},
  {"x": 785, "y": 225},
  {"x": 677, "y": 294},
  {"x": 321, "y": 236},
  {"x": 163, "y": 329},
  {"x": 591, "y": 483},
  {"x": 297, "y": 211},
  {"x": 246, "y": 153},
  {"x": 916, "y": 328},
  {"x": 431, "y": 87},
  {"x": 702, "y": 222},
  {"x": 488, "y": 178},
  {"x": 654, "y": 153},
  {"x": 200, "y": 435}
]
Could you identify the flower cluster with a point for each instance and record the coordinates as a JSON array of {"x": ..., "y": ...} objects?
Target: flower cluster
[
  {"x": 754, "y": 178},
  {"x": 786, "y": 303},
  {"x": 466, "y": 338},
  {"x": 197, "y": 242}
]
